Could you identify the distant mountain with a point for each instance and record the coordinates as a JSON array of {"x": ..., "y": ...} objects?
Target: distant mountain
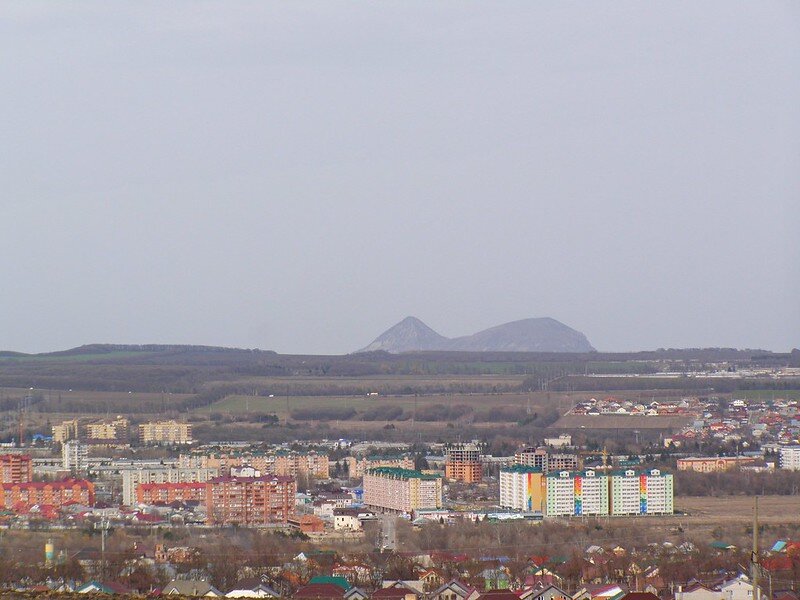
[
  {"x": 408, "y": 335},
  {"x": 527, "y": 335}
]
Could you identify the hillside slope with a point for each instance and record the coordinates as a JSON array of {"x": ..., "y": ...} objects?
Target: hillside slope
[{"x": 527, "y": 335}]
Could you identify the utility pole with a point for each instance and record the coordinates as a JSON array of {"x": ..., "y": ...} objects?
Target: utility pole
[{"x": 755, "y": 566}]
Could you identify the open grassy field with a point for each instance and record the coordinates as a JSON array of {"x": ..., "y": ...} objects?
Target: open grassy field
[
  {"x": 738, "y": 509},
  {"x": 280, "y": 404}
]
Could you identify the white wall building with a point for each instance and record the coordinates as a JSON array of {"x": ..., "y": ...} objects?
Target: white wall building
[
  {"x": 133, "y": 477},
  {"x": 574, "y": 493},
  {"x": 74, "y": 456},
  {"x": 790, "y": 458},
  {"x": 641, "y": 493}
]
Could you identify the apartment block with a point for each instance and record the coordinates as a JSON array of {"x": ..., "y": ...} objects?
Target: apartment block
[
  {"x": 463, "y": 463},
  {"x": 571, "y": 493},
  {"x": 21, "y": 496},
  {"x": 302, "y": 464},
  {"x": 522, "y": 488},
  {"x": 358, "y": 466},
  {"x": 16, "y": 468},
  {"x": 116, "y": 429},
  {"x": 224, "y": 462},
  {"x": 641, "y": 493},
  {"x": 401, "y": 490},
  {"x": 167, "y": 493},
  {"x": 250, "y": 500},
  {"x": 65, "y": 431},
  {"x": 790, "y": 458},
  {"x": 74, "y": 456},
  {"x": 531, "y": 456},
  {"x": 133, "y": 477},
  {"x": 165, "y": 432},
  {"x": 713, "y": 464}
]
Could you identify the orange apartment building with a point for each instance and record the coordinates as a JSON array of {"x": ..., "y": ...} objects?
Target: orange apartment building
[
  {"x": 463, "y": 463},
  {"x": 250, "y": 500},
  {"x": 15, "y": 496},
  {"x": 167, "y": 493},
  {"x": 16, "y": 468}
]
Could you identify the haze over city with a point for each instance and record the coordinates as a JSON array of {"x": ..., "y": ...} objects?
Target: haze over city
[{"x": 300, "y": 177}]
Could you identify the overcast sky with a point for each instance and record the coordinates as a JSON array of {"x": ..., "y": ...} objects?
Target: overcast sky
[{"x": 299, "y": 176}]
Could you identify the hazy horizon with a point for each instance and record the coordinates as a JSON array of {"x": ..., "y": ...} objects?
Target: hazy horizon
[{"x": 300, "y": 177}]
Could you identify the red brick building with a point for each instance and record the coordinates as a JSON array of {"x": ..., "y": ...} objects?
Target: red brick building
[
  {"x": 250, "y": 500},
  {"x": 167, "y": 493},
  {"x": 16, "y": 496},
  {"x": 16, "y": 468}
]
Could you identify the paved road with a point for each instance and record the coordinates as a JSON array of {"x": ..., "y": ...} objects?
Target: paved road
[{"x": 389, "y": 532}]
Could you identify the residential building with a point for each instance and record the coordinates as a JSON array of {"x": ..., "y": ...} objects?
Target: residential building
[
  {"x": 401, "y": 490},
  {"x": 16, "y": 496},
  {"x": 192, "y": 588},
  {"x": 252, "y": 588},
  {"x": 713, "y": 464},
  {"x": 641, "y": 493},
  {"x": 302, "y": 464},
  {"x": 346, "y": 519},
  {"x": 356, "y": 467},
  {"x": 463, "y": 463},
  {"x": 575, "y": 493},
  {"x": 167, "y": 493},
  {"x": 250, "y": 500},
  {"x": 561, "y": 441},
  {"x": 131, "y": 478},
  {"x": 224, "y": 462},
  {"x": 522, "y": 488},
  {"x": 116, "y": 429},
  {"x": 531, "y": 456},
  {"x": 790, "y": 458},
  {"x": 16, "y": 468},
  {"x": 65, "y": 431},
  {"x": 165, "y": 432},
  {"x": 74, "y": 456}
]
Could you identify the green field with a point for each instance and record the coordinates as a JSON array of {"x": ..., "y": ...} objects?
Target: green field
[{"x": 238, "y": 404}]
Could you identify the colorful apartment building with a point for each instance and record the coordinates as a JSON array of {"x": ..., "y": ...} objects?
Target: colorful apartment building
[
  {"x": 522, "y": 488},
  {"x": 165, "y": 432},
  {"x": 576, "y": 493},
  {"x": 250, "y": 501},
  {"x": 463, "y": 463},
  {"x": 16, "y": 468},
  {"x": 21, "y": 496},
  {"x": 641, "y": 493},
  {"x": 167, "y": 493},
  {"x": 401, "y": 490}
]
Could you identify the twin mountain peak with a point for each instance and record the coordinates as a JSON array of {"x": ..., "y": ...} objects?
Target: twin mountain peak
[{"x": 527, "y": 335}]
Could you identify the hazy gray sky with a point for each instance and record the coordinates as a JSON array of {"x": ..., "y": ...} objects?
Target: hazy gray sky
[{"x": 299, "y": 176}]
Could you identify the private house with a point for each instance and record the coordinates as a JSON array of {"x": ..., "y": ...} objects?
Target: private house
[
  {"x": 252, "y": 588},
  {"x": 454, "y": 590},
  {"x": 193, "y": 588}
]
